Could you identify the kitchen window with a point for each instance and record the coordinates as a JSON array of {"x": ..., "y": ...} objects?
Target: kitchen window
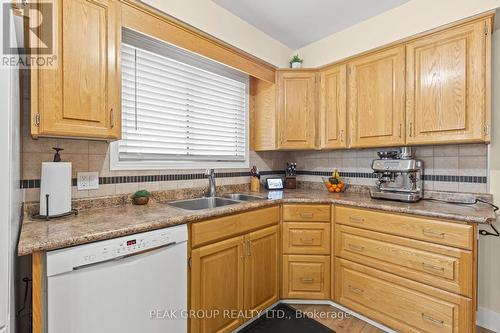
[{"x": 179, "y": 109}]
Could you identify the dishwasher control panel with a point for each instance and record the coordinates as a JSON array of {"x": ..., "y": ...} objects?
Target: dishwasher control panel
[{"x": 82, "y": 256}]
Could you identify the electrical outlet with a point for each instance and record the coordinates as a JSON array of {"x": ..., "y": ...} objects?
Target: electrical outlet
[{"x": 87, "y": 181}]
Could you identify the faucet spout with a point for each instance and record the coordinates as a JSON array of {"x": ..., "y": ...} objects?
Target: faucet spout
[{"x": 211, "y": 190}]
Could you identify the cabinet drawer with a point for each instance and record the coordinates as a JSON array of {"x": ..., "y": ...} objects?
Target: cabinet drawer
[
  {"x": 392, "y": 301},
  {"x": 436, "y": 265},
  {"x": 306, "y": 277},
  {"x": 306, "y": 238},
  {"x": 224, "y": 227},
  {"x": 314, "y": 213},
  {"x": 435, "y": 231}
]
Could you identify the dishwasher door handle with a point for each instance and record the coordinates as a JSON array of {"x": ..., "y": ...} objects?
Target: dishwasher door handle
[{"x": 76, "y": 268}]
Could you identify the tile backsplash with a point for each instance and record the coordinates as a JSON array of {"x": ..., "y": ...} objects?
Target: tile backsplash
[
  {"x": 461, "y": 168},
  {"x": 446, "y": 167}
]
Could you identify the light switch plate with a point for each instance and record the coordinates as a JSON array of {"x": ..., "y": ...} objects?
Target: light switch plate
[{"x": 87, "y": 181}]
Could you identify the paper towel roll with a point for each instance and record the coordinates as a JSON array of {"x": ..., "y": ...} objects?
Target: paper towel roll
[{"x": 56, "y": 182}]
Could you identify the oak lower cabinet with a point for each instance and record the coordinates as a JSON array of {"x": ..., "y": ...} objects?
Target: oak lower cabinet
[
  {"x": 447, "y": 86},
  {"x": 81, "y": 95},
  {"x": 306, "y": 277},
  {"x": 261, "y": 269},
  {"x": 410, "y": 273},
  {"x": 376, "y": 102},
  {"x": 235, "y": 274},
  {"x": 401, "y": 303},
  {"x": 306, "y": 248},
  {"x": 217, "y": 283},
  {"x": 296, "y": 109}
]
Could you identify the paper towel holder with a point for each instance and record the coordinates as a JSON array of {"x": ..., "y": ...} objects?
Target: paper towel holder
[{"x": 48, "y": 216}]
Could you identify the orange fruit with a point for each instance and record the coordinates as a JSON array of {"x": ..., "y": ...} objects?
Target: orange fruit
[
  {"x": 337, "y": 189},
  {"x": 340, "y": 185},
  {"x": 334, "y": 186},
  {"x": 330, "y": 189}
]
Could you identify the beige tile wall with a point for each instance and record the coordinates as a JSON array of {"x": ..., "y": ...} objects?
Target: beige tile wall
[{"x": 456, "y": 160}]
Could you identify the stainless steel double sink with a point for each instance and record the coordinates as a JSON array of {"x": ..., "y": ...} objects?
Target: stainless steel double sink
[{"x": 213, "y": 202}]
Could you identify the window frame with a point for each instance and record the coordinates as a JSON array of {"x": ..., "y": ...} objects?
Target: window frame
[{"x": 115, "y": 164}]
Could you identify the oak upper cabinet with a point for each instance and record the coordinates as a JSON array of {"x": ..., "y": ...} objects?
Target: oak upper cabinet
[
  {"x": 261, "y": 269},
  {"x": 376, "y": 102},
  {"x": 296, "y": 108},
  {"x": 333, "y": 108},
  {"x": 80, "y": 97},
  {"x": 447, "y": 89},
  {"x": 262, "y": 115},
  {"x": 217, "y": 284}
]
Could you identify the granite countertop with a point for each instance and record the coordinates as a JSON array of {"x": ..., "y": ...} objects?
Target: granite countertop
[{"x": 109, "y": 222}]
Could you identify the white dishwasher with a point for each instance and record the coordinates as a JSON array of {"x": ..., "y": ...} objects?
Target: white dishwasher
[{"x": 130, "y": 284}]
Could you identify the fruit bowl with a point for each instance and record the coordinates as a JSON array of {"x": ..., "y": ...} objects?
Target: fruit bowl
[{"x": 335, "y": 184}]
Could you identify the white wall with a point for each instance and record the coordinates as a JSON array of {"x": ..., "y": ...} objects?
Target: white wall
[
  {"x": 406, "y": 20},
  {"x": 218, "y": 22}
]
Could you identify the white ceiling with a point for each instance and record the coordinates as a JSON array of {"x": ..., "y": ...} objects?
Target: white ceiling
[{"x": 298, "y": 23}]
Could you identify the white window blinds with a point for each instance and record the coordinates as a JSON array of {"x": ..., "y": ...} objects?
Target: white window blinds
[{"x": 178, "y": 106}]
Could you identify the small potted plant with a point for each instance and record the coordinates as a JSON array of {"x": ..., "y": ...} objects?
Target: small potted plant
[
  {"x": 141, "y": 197},
  {"x": 296, "y": 61}
]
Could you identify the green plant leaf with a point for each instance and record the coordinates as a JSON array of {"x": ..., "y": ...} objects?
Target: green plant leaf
[{"x": 142, "y": 194}]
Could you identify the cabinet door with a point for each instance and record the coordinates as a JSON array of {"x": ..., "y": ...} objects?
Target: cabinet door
[
  {"x": 306, "y": 277},
  {"x": 261, "y": 269},
  {"x": 332, "y": 109},
  {"x": 81, "y": 96},
  {"x": 446, "y": 86},
  {"x": 217, "y": 284},
  {"x": 377, "y": 98},
  {"x": 296, "y": 109},
  {"x": 263, "y": 115}
]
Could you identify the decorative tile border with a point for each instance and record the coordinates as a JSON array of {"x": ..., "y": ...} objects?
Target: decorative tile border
[
  {"x": 434, "y": 178},
  {"x": 35, "y": 183}
]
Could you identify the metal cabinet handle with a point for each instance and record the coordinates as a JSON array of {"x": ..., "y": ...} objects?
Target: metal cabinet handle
[
  {"x": 307, "y": 240},
  {"x": 432, "y": 320},
  {"x": 400, "y": 131},
  {"x": 243, "y": 250},
  {"x": 356, "y": 290},
  {"x": 307, "y": 280},
  {"x": 307, "y": 215},
  {"x": 341, "y": 135},
  {"x": 432, "y": 267},
  {"x": 411, "y": 129},
  {"x": 356, "y": 247},
  {"x": 356, "y": 219},
  {"x": 249, "y": 250},
  {"x": 112, "y": 116},
  {"x": 434, "y": 234}
]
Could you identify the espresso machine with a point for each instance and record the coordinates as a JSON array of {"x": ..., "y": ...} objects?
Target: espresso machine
[{"x": 400, "y": 176}]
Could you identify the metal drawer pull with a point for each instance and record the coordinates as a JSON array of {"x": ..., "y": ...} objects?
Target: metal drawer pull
[
  {"x": 356, "y": 247},
  {"x": 356, "y": 219},
  {"x": 307, "y": 240},
  {"x": 432, "y": 320},
  {"x": 356, "y": 290},
  {"x": 307, "y": 280},
  {"x": 433, "y": 267},
  {"x": 434, "y": 234},
  {"x": 307, "y": 215}
]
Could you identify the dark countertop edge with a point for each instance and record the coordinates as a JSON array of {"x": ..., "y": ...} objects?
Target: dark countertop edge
[{"x": 239, "y": 208}]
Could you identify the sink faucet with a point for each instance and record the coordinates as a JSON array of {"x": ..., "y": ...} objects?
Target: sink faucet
[{"x": 211, "y": 190}]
